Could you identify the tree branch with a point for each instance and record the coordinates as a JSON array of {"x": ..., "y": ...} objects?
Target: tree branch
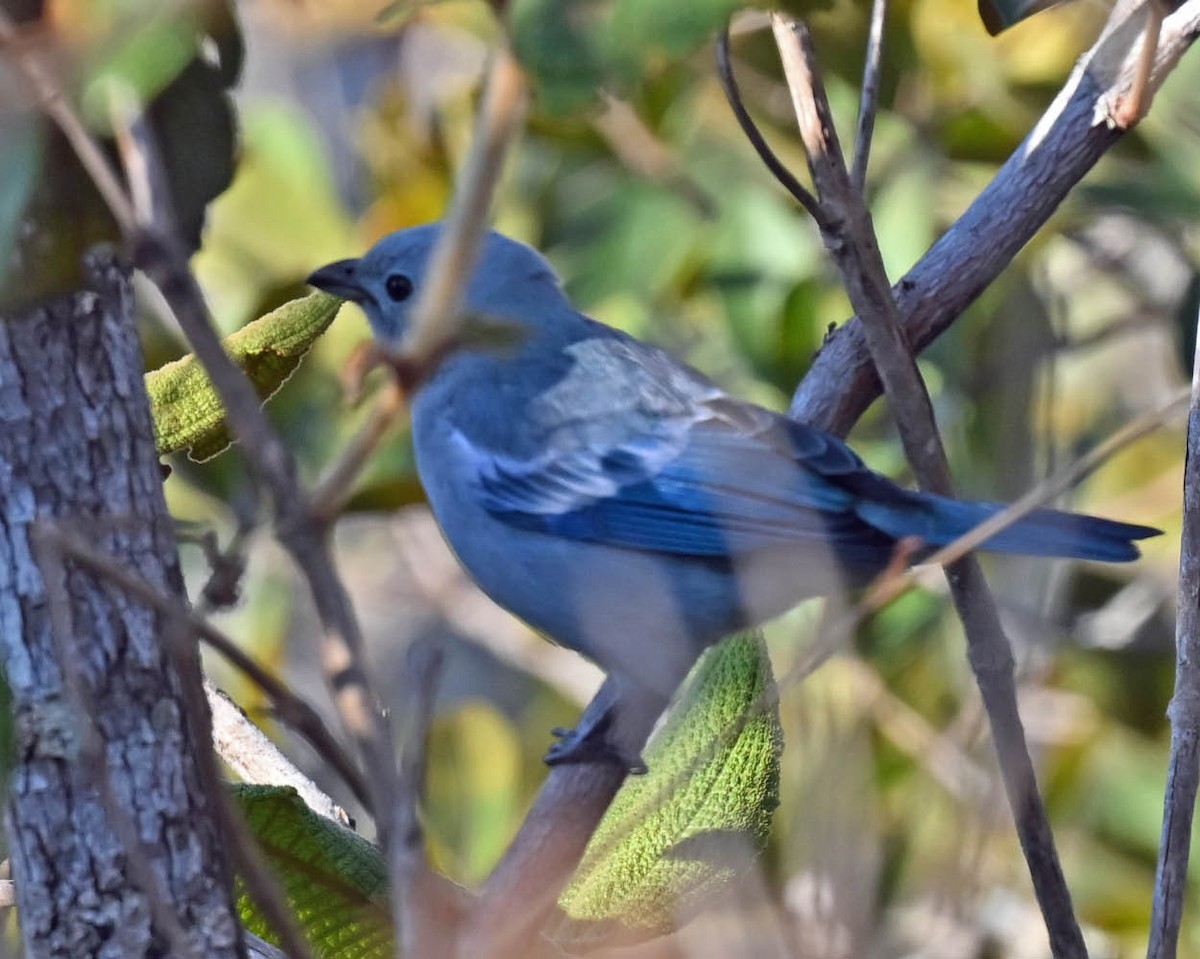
[
  {"x": 849, "y": 236},
  {"x": 1183, "y": 771},
  {"x": 869, "y": 100},
  {"x": 1066, "y": 143}
]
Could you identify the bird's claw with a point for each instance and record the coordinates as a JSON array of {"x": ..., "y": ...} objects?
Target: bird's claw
[{"x": 589, "y": 746}]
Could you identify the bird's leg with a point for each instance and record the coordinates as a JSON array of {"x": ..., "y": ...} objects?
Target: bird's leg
[{"x": 612, "y": 729}]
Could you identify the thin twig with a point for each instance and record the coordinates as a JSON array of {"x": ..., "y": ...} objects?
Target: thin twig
[
  {"x": 869, "y": 101},
  {"x": 910, "y": 732},
  {"x": 415, "y": 898},
  {"x": 244, "y": 850},
  {"x": 334, "y": 487},
  {"x": 1135, "y": 106},
  {"x": 436, "y": 320},
  {"x": 641, "y": 150},
  {"x": 342, "y": 650},
  {"x": 290, "y": 708},
  {"x": 850, "y": 239},
  {"x": 48, "y": 90},
  {"x": 1061, "y": 481},
  {"x": 777, "y": 167},
  {"x": 1183, "y": 771}
]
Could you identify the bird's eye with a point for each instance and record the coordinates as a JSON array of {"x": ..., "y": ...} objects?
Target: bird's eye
[{"x": 399, "y": 287}]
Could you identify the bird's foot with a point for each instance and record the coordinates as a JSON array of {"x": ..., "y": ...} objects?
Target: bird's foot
[{"x": 586, "y": 743}]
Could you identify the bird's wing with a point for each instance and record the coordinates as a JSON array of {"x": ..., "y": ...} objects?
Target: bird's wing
[{"x": 659, "y": 459}]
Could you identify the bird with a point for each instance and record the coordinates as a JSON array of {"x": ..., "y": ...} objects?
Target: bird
[{"x": 622, "y": 503}]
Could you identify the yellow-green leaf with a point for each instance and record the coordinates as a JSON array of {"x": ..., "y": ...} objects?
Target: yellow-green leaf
[
  {"x": 188, "y": 414},
  {"x": 677, "y": 835}
]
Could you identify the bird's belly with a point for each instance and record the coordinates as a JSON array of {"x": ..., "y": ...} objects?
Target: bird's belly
[{"x": 644, "y": 616}]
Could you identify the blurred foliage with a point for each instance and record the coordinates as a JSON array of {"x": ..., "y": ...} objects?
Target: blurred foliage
[
  {"x": 177, "y": 60},
  {"x": 892, "y": 829},
  {"x": 576, "y": 48}
]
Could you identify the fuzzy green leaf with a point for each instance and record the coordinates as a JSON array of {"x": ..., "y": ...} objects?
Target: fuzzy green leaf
[
  {"x": 188, "y": 414},
  {"x": 335, "y": 881},
  {"x": 677, "y": 835}
]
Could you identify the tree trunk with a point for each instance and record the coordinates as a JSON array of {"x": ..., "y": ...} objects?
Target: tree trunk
[{"x": 77, "y": 448}]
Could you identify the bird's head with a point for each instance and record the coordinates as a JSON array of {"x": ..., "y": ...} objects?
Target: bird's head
[{"x": 511, "y": 282}]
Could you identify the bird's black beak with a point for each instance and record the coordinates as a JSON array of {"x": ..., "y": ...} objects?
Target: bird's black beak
[{"x": 340, "y": 279}]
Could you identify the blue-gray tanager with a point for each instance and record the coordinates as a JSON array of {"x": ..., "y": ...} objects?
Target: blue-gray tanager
[{"x": 622, "y": 503}]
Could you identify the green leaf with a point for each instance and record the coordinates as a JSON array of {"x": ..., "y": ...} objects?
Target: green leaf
[
  {"x": 333, "y": 878},
  {"x": 675, "y": 836},
  {"x": 188, "y": 414}
]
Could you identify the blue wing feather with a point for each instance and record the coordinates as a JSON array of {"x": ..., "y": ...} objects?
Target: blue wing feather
[
  {"x": 663, "y": 461},
  {"x": 723, "y": 494}
]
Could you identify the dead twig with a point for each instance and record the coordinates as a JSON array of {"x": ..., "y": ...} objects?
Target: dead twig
[
  {"x": 869, "y": 100},
  {"x": 1183, "y": 771},
  {"x": 850, "y": 239},
  {"x": 247, "y": 750},
  {"x": 772, "y": 162},
  {"x": 415, "y": 891}
]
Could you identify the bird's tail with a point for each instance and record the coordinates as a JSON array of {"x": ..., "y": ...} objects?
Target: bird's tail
[{"x": 938, "y": 520}]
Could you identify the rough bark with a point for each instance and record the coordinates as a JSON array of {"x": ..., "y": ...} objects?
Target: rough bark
[{"x": 76, "y": 448}]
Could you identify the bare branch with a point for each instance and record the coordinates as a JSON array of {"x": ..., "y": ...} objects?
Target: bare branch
[
  {"x": 1064, "y": 145},
  {"x": 416, "y": 893},
  {"x": 781, "y": 173},
  {"x": 641, "y": 150},
  {"x": 869, "y": 101},
  {"x": 436, "y": 322},
  {"x": 523, "y": 888},
  {"x": 1183, "y": 772},
  {"x": 337, "y": 482},
  {"x": 272, "y": 464},
  {"x": 1061, "y": 481},
  {"x": 1135, "y": 106},
  {"x": 850, "y": 239},
  {"x": 48, "y": 91},
  {"x": 244, "y": 850}
]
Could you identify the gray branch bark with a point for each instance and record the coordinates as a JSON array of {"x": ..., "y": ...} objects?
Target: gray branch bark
[
  {"x": 1071, "y": 137},
  {"x": 76, "y": 448}
]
